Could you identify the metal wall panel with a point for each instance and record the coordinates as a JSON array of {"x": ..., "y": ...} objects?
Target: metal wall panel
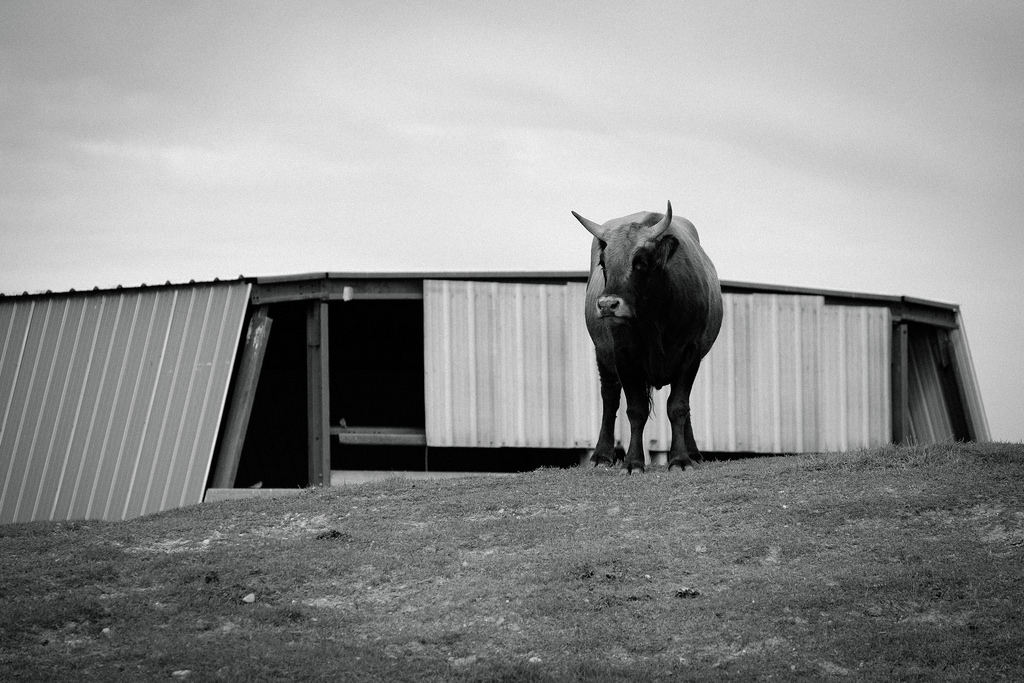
[
  {"x": 929, "y": 413},
  {"x": 503, "y": 365},
  {"x": 584, "y": 387},
  {"x": 968, "y": 383},
  {"x": 111, "y": 401},
  {"x": 788, "y": 374},
  {"x": 512, "y": 365},
  {"x": 942, "y": 395}
]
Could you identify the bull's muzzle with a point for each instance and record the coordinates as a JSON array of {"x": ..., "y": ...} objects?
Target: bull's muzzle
[{"x": 611, "y": 307}]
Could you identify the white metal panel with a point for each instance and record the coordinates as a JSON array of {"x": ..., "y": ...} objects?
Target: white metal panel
[
  {"x": 583, "y": 389},
  {"x": 787, "y": 374},
  {"x": 512, "y": 365},
  {"x": 503, "y": 365}
]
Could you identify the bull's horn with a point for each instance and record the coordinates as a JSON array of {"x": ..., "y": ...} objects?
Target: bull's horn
[
  {"x": 592, "y": 227},
  {"x": 662, "y": 225}
]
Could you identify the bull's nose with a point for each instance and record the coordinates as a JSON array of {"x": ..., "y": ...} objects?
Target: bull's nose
[{"x": 608, "y": 305}]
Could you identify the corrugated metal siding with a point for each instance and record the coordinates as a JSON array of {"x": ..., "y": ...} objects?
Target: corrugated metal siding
[
  {"x": 503, "y": 365},
  {"x": 930, "y": 419},
  {"x": 788, "y": 374},
  {"x": 968, "y": 381},
  {"x": 943, "y": 398},
  {"x": 110, "y": 401}
]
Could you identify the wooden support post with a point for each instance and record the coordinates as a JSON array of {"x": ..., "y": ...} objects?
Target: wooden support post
[
  {"x": 241, "y": 399},
  {"x": 900, "y": 384},
  {"x": 318, "y": 394}
]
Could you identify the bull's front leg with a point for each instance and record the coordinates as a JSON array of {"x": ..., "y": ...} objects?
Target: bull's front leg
[
  {"x": 611, "y": 390},
  {"x": 638, "y": 408},
  {"x": 683, "y": 451}
]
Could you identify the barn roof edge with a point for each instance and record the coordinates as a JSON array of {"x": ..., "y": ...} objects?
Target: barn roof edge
[{"x": 901, "y": 305}]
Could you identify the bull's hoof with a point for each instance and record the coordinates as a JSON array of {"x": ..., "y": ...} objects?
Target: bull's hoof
[
  {"x": 681, "y": 463},
  {"x": 630, "y": 466},
  {"x": 602, "y": 461}
]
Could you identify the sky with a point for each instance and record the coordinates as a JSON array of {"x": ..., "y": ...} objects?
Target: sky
[{"x": 865, "y": 146}]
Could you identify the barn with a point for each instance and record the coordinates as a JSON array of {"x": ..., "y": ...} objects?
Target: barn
[{"x": 121, "y": 402}]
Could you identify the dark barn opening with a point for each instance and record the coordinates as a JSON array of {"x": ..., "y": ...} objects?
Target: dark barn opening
[
  {"x": 377, "y": 363},
  {"x": 274, "y": 454},
  {"x": 376, "y": 358},
  {"x": 376, "y": 373}
]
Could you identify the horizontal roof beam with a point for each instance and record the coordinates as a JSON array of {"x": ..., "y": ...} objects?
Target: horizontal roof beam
[
  {"x": 335, "y": 290},
  {"x": 327, "y": 286},
  {"x": 917, "y": 311}
]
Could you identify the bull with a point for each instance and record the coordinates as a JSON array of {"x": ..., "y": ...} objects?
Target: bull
[{"x": 653, "y": 310}]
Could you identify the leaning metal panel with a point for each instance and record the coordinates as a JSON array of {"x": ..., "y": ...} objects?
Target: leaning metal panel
[{"x": 110, "y": 401}]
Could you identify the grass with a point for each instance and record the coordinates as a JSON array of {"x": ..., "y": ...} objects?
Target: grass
[{"x": 901, "y": 563}]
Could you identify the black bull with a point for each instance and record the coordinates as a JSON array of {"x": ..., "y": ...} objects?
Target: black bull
[{"x": 654, "y": 308}]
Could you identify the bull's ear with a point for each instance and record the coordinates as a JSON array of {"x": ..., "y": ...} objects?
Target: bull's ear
[{"x": 664, "y": 248}]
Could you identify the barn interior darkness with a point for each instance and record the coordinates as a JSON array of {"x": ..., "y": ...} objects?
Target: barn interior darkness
[
  {"x": 274, "y": 453},
  {"x": 377, "y": 380},
  {"x": 376, "y": 371}
]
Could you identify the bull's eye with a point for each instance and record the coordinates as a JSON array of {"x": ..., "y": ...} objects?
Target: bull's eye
[{"x": 640, "y": 263}]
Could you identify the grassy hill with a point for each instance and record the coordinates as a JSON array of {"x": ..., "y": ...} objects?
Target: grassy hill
[{"x": 892, "y": 564}]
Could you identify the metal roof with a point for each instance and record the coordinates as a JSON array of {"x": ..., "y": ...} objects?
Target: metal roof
[
  {"x": 332, "y": 285},
  {"x": 833, "y": 296},
  {"x": 110, "y": 403},
  {"x": 7, "y": 296},
  {"x": 572, "y": 276}
]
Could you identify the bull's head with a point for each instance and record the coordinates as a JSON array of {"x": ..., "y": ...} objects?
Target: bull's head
[{"x": 632, "y": 257}]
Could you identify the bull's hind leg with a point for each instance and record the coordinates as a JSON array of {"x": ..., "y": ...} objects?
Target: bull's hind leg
[
  {"x": 611, "y": 390},
  {"x": 683, "y": 451}
]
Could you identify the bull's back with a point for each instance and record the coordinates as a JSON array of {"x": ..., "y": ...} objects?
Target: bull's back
[{"x": 699, "y": 293}]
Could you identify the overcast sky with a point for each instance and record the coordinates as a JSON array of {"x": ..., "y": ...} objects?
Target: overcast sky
[{"x": 865, "y": 146}]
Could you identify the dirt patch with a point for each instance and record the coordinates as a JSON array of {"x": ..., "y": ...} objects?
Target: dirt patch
[
  {"x": 171, "y": 546},
  {"x": 933, "y": 617},
  {"x": 998, "y": 526},
  {"x": 530, "y": 511},
  {"x": 294, "y": 525}
]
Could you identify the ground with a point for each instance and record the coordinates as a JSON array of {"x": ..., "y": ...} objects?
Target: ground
[{"x": 897, "y": 563}]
